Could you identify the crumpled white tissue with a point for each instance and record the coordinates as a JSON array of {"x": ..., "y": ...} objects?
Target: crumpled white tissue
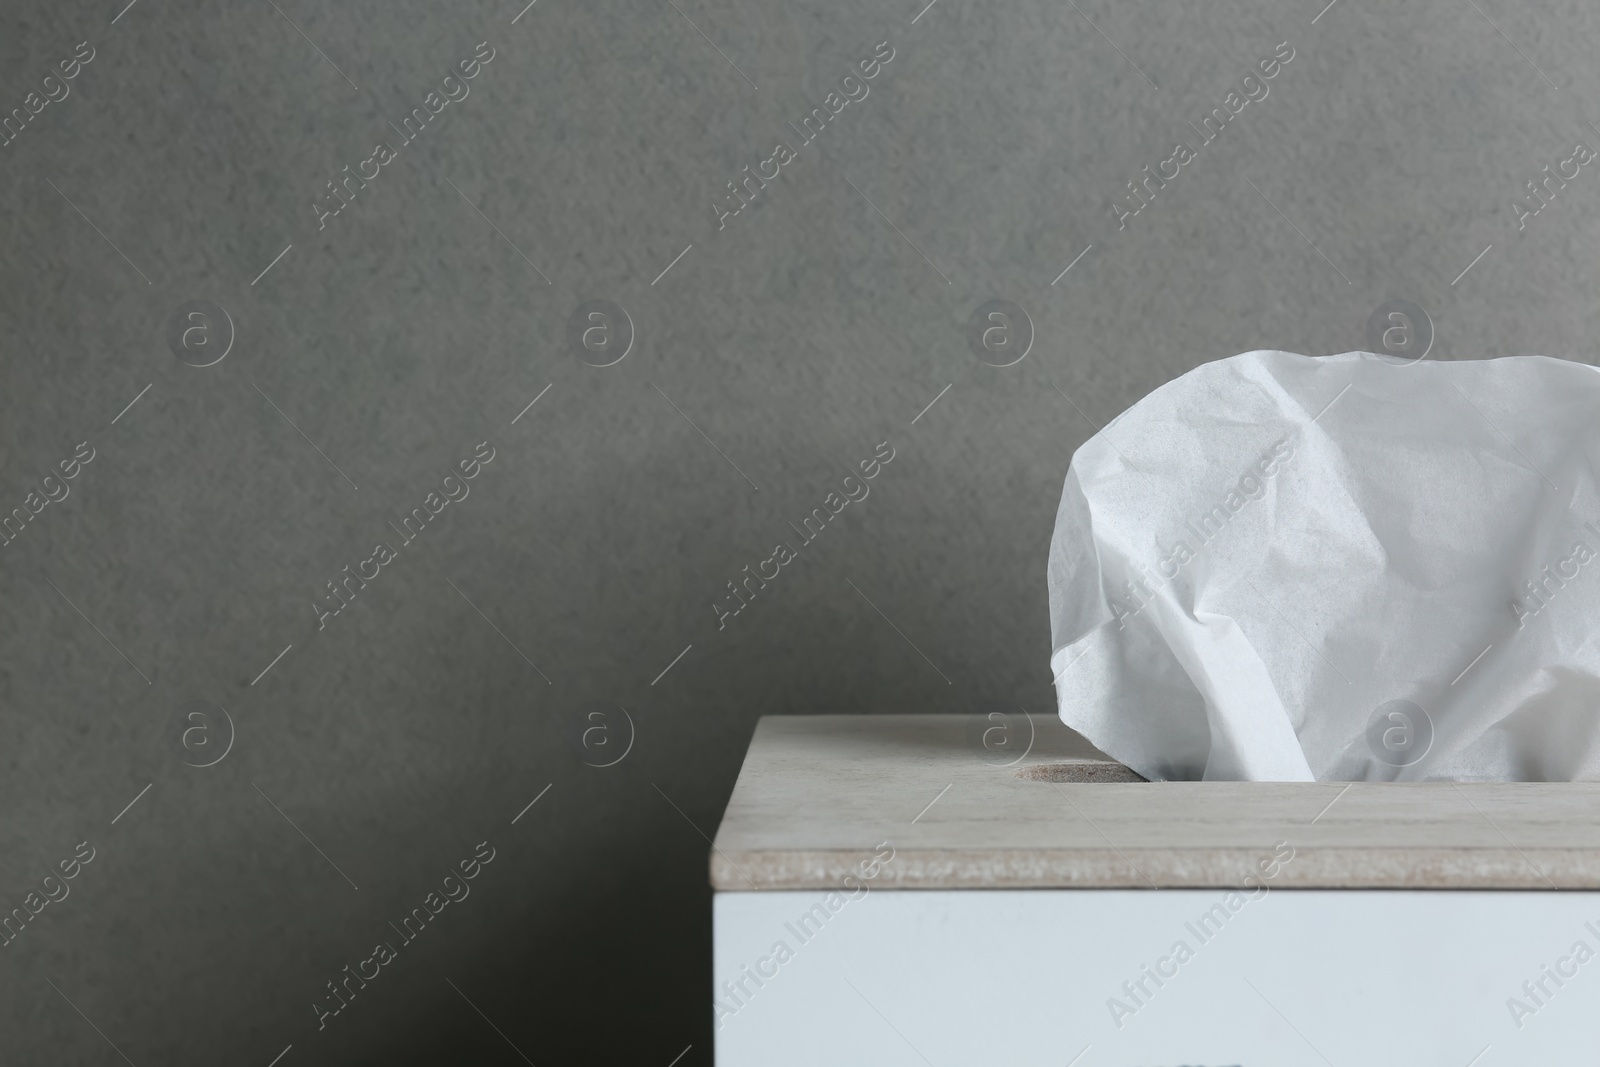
[{"x": 1350, "y": 568}]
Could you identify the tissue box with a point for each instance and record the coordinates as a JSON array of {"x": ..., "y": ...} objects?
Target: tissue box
[{"x": 935, "y": 889}]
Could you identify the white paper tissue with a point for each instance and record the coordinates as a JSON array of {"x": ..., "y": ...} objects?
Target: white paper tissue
[{"x": 1283, "y": 567}]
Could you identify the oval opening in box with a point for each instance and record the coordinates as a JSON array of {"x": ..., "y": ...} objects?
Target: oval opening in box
[{"x": 1098, "y": 771}]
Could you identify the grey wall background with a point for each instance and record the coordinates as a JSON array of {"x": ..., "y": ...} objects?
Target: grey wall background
[{"x": 813, "y": 327}]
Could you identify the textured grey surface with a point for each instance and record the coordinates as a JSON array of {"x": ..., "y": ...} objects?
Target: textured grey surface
[{"x": 797, "y": 338}]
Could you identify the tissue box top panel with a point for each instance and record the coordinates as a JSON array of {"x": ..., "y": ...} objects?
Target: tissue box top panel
[{"x": 820, "y": 796}]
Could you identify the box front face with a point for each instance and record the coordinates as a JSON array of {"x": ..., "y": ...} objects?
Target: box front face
[{"x": 1156, "y": 978}]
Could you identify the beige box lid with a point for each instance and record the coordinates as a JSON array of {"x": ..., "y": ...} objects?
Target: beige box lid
[{"x": 818, "y": 793}]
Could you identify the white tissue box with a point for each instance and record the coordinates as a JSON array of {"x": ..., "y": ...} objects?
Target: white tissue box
[{"x": 1132, "y": 924}]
